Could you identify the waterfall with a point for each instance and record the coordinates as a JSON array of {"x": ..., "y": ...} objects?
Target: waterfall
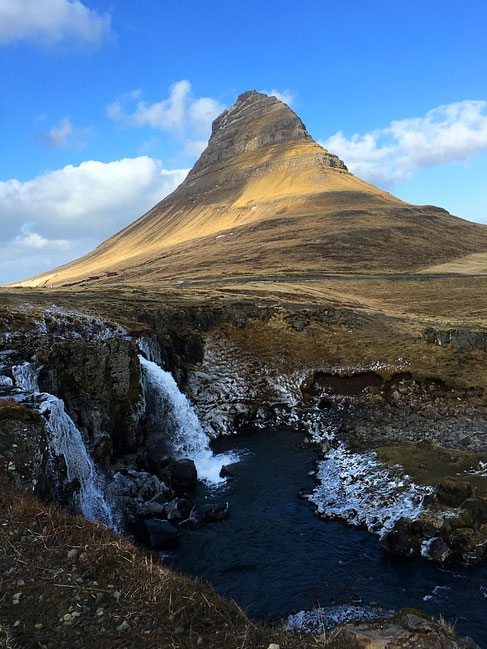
[
  {"x": 181, "y": 425},
  {"x": 66, "y": 440},
  {"x": 25, "y": 376}
]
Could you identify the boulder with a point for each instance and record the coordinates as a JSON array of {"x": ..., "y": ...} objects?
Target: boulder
[
  {"x": 158, "y": 534},
  {"x": 181, "y": 475},
  {"x": 477, "y": 507},
  {"x": 211, "y": 513},
  {"x": 436, "y": 549},
  {"x": 226, "y": 472},
  {"x": 177, "y": 510},
  {"x": 401, "y": 539}
]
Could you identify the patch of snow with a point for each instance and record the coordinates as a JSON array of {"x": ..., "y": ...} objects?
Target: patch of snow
[
  {"x": 69, "y": 325},
  {"x": 481, "y": 471},
  {"x": 320, "y": 619}
]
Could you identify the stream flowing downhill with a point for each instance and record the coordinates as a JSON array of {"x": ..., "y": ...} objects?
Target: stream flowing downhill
[{"x": 276, "y": 559}]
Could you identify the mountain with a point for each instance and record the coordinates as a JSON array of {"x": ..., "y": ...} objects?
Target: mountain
[{"x": 265, "y": 199}]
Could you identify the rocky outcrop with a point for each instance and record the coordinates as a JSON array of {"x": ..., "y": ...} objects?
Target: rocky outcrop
[
  {"x": 407, "y": 630},
  {"x": 99, "y": 382},
  {"x": 464, "y": 339},
  {"x": 23, "y": 448}
]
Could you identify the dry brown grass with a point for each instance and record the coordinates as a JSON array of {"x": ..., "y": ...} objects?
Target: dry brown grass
[{"x": 163, "y": 609}]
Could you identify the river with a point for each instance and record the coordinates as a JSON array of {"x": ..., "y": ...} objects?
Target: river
[{"x": 274, "y": 557}]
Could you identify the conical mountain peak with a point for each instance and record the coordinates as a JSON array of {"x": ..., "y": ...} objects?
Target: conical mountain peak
[
  {"x": 255, "y": 122},
  {"x": 265, "y": 199}
]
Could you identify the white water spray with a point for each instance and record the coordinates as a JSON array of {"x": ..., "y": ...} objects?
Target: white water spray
[
  {"x": 65, "y": 439},
  {"x": 184, "y": 431}
]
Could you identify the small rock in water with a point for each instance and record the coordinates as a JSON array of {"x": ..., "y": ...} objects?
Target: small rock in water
[
  {"x": 159, "y": 535},
  {"x": 225, "y": 472},
  {"x": 210, "y": 513}
]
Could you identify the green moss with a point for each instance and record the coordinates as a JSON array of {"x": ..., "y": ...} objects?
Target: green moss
[
  {"x": 11, "y": 410},
  {"x": 439, "y": 467}
]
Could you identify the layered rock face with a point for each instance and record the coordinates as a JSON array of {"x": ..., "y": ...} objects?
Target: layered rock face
[{"x": 264, "y": 199}]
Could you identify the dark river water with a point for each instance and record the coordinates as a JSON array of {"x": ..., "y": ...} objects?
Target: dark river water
[{"x": 274, "y": 557}]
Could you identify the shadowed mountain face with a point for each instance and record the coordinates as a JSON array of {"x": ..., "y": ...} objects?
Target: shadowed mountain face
[{"x": 265, "y": 199}]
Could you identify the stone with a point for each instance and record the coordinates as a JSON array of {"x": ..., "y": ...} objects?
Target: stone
[
  {"x": 177, "y": 510},
  {"x": 401, "y": 539},
  {"x": 72, "y": 554},
  {"x": 226, "y": 472},
  {"x": 122, "y": 628},
  {"x": 436, "y": 549},
  {"x": 181, "y": 475},
  {"x": 159, "y": 535},
  {"x": 211, "y": 513},
  {"x": 478, "y": 510}
]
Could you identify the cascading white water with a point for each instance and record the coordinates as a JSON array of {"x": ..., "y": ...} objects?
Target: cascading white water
[
  {"x": 25, "y": 376},
  {"x": 183, "y": 429},
  {"x": 66, "y": 440}
]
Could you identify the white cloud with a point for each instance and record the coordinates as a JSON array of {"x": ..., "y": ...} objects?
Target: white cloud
[
  {"x": 284, "y": 95},
  {"x": 51, "y": 21},
  {"x": 182, "y": 114},
  {"x": 63, "y": 214},
  {"x": 31, "y": 240},
  {"x": 64, "y": 135},
  {"x": 389, "y": 156},
  {"x": 202, "y": 112}
]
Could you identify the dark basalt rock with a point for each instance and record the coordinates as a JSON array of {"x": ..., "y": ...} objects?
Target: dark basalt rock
[
  {"x": 157, "y": 534},
  {"x": 225, "y": 472},
  {"x": 477, "y": 507},
  {"x": 436, "y": 549},
  {"x": 401, "y": 539},
  {"x": 178, "y": 510},
  {"x": 211, "y": 513},
  {"x": 181, "y": 475}
]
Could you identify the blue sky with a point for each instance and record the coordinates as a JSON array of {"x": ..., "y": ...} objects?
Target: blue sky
[{"x": 105, "y": 105}]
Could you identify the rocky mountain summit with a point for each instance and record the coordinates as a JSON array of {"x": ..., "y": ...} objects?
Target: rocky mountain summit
[{"x": 265, "y": 199}]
